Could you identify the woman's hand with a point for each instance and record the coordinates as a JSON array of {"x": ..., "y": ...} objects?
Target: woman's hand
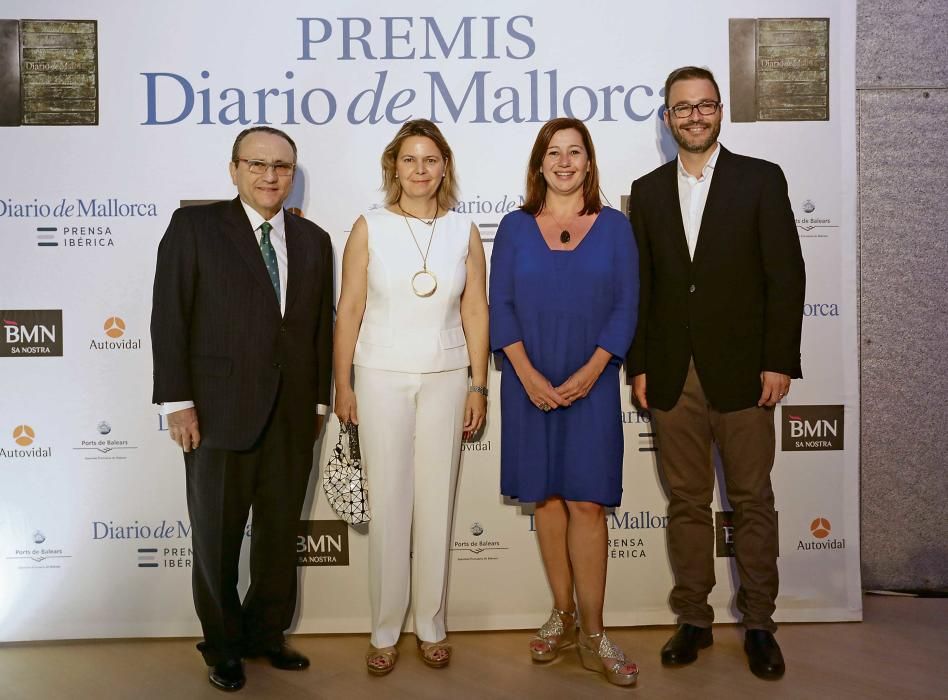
[
  {"x": 475, "y": 412},
  {"x": 581, "y": 382},
  {"x": 345, "y": 406},
  {"x": 541, "y": 392}
]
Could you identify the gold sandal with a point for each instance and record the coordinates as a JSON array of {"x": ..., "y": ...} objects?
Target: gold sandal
[
  {"x": 558, "y": 632},
  {"x": 386, "y": 655},
  {"x": 598, "y": 653},
  {"x": 431, "y": 653}
]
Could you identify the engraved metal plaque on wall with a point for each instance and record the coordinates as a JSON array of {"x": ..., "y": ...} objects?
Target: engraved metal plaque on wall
[
  {"x": 779, "y": 69},
  {"x": 49, "y": 72}
]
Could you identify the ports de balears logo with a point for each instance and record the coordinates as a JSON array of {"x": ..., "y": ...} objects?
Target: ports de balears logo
[
  {"x": 115, "y": 336},
  {"x": 38, "y": 554},
  {"x": 814, "y": 223},
  {"x": 478, "y": 544},
  {"x": 724, "y": 533},
  {"x": 809, "y": 428},
  {"x": 31, "y": 333},
  {"x": 104, "y": 445},
  {"x": 27, "y": 444},
  {"x": 820, "y": 540},
  {"x": 322, "y": 543}
]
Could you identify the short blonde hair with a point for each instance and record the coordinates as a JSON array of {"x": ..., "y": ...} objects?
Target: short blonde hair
[{"x": 447, "y": 190}]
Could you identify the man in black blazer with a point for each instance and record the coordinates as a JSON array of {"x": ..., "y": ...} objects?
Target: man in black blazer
[
  {"x": 242, "y": 336},
  {"x": 718, "y": 340}
]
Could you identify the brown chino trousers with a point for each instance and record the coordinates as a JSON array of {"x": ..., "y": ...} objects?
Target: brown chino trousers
[{"x": 746, "y": 443}]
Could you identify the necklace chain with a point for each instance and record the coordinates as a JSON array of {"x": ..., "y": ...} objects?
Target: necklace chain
[
  {"x": 564, "y": 232},
  {"x": 433, "y": 224}
]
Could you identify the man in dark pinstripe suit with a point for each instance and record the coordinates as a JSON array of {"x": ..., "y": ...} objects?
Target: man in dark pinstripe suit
[{"x": 242, "y": 336}]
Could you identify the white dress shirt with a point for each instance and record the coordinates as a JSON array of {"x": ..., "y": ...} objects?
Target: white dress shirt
[
  {"x": 692, "y": 195},
  {"x": 278, "y": 241}
]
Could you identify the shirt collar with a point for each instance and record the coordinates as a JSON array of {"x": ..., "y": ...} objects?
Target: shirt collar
[
  {"x": 277, "y": 221},
  {"x": 708, "y": 167}
]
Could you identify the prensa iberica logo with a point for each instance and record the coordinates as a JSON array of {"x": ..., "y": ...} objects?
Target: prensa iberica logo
[
  {"x": 115, "y": 337},
  {"x": 25, "y": 438}
]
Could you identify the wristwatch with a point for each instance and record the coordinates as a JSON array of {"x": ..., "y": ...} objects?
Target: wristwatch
[{"x": 482, "y": 390}]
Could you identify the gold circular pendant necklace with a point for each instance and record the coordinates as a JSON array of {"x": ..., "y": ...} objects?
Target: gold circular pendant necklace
[{"x": 423, "y": 282}]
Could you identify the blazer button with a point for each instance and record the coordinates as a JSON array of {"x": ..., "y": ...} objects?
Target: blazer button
[
  {"x": 691, "y": 289},
  {"x": 282, "y": 329},
  {"x": 276, "y": 365}
]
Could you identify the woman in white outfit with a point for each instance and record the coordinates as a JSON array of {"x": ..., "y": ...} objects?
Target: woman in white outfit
[{"x": 412, "y": 319}]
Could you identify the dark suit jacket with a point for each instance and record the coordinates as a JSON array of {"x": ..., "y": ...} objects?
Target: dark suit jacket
[
  {"x": 737, "y": 308},
  {"x": 217, "y": 335}
]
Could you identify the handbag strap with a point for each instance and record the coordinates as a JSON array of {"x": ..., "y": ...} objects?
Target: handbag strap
[{"x": 352, "y": 430}]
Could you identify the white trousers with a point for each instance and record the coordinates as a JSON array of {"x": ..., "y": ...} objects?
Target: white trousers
[{"x": 410, "y": 434}]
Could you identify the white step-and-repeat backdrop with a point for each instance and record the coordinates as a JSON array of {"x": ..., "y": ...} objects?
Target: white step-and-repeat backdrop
[{"x": 114, "y": 114}]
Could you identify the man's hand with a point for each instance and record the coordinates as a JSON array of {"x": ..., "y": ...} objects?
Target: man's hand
[
  {"x": 774, "y": 386},
  {"x": 183, "y": 429},
  {"x": 638, "y": 391}
]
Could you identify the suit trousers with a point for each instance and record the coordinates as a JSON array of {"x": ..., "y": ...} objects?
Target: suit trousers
[
  {"x": 746, "y": 443},
  {"x": 410, "y": 435},
  {"x": 223, "y": 486}
]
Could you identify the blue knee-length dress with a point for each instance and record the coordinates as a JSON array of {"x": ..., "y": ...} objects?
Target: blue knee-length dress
[{"x": 562, "y": 305}]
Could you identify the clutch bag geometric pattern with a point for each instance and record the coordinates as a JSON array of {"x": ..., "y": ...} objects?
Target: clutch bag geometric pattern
[{"x": 343, "y": 480}]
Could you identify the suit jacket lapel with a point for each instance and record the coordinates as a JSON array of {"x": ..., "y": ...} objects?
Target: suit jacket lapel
[
  {"x": 237, "y": 227},
  {"x": 672, "y": 205},
  {"x": 723, "y": 186},
  {"x": 297, "y": 257}
]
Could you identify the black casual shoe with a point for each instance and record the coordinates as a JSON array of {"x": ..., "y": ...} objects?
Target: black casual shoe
[
  {"x": 227, "y": 675},
  {"x": 284, "y": 658},
  {"x": 763, "y": 654},
  {"x": 683, "y": 647}
]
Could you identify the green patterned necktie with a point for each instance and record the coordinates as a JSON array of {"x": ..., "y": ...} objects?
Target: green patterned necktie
[{"x": 270, "y": 257}]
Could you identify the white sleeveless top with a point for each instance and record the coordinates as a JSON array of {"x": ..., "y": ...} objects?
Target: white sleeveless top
[{"x": 401, "y": 331}]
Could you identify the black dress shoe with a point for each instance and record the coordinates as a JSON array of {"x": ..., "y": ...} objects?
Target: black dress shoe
[
  {"x": 285, "y": 658},
  {"x": 763, "y": 654},
  {"x": 683, "y": 647},
  {"x": 228, "y": 675}
]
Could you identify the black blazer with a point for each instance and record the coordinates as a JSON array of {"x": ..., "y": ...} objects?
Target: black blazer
[
  {"x": 217, "y": 335},
  {"x": 737, "y": 308}
]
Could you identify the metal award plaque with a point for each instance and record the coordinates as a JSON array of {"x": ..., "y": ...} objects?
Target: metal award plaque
[
  {"x": 779, "y": 69},
  {"x": 49, "y": 72}
]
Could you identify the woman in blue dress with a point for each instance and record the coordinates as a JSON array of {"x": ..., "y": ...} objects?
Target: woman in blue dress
[{"x": 563, "y": 305}]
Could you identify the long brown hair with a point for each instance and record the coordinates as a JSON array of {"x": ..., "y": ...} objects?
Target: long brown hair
[
  {"x": 536, "y": 185},
  {"x": 447, "y": 190}
]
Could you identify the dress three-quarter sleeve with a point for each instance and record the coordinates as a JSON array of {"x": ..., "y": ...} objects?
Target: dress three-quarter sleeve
[
  {"x": 617, "y": 333},
  {"x": 504, "y": 324}
]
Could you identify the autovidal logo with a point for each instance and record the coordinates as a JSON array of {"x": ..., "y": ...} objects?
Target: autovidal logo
[
  {"x": 24, "y": 436},
  {"x": 322, "y": 543},
  {"x": 724, "y": 533},
  {"x": 478, "y": 446},
  {"x": 808, "y": 428},
  {"x": 31, "y": 332},
  {"x": 114, "y": 328},
  {"x": 820, "y": 310},
  {"x": 820, "y": 530}
]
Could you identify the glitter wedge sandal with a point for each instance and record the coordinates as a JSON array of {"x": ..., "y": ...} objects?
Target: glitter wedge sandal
[
  {"x": 558, "y": 632},
  {"x": 598, "y": 653}
]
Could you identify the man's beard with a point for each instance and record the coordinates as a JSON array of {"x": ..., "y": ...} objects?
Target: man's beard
[{"x": 701, "y": 146}]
